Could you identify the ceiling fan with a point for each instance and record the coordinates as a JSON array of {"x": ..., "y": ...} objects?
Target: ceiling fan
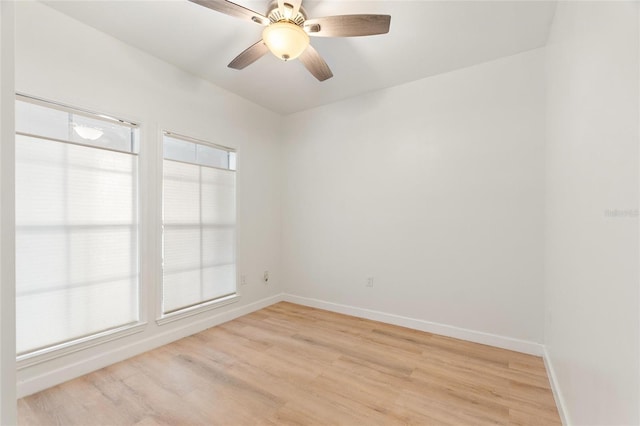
[{"x": 287, "y": 30}]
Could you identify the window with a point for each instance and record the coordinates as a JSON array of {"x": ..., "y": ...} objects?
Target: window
[
  {"x": 76, "y": 225},
  {"x": 199, "y": 222}
]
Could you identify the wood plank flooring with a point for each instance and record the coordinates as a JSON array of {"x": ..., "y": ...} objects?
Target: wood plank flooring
[{"x": 288, "y": 364}]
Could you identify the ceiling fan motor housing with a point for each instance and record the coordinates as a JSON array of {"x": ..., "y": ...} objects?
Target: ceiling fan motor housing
[{"x": 276, "y": 15}]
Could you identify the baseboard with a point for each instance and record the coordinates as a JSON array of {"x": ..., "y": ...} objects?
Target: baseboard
[
  {"x": 555, "y": 388},
  {"x": 517, "y": 345},
  {"x": 85, "y": 366}
]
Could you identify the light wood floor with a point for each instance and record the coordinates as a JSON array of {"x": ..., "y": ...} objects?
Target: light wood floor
[{"x": 289, "y": 364}]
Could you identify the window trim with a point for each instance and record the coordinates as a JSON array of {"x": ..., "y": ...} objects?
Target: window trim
[
  {"x": 61, "y": 349},
  {"x": 194, "y": 140},
  {"x": 52, "y": 139},
  {"x": 199, "y": 308},
  {"x": 77, "y": 344},
  {"x": 64, "y": 107},
  {"x": 188, "y": 311}
]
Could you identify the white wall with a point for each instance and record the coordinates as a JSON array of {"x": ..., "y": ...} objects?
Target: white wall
[
  {"x": 591, "y": 299},
  {"x": 61, "y": 59},
  {"x": 433, "y": 188},
  {"x": 7, "y": 219}
]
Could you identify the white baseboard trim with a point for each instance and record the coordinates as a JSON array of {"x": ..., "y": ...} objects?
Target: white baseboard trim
[
  {"x": 503, "y": 342},
  {"x": 85, "y": 366},
  {"x": 555, "y": 388}
]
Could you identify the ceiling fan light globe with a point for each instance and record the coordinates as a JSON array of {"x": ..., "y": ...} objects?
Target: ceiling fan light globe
[{"x": 285, "y": 40}]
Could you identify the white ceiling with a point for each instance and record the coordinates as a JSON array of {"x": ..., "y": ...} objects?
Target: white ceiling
[{"x": 426, "y": 38}]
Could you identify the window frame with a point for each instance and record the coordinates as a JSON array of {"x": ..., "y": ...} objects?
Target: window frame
[
  {"x": 61, "y": 349},
  {"x": 188, "y": 311}
]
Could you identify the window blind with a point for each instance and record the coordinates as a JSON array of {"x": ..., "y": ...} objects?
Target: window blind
[
  {"x": 76, "y": 226},
  {"x": 199, "y": 222}
]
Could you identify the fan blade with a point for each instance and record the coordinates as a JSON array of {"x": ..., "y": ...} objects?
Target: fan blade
[
  {"x": 235, "y": 10},
  {"x": 296, "y": 6},
  {"x": 312, "y": 61},
  {"x": 249, "y": 56},
  {"x": 348, "y": 25}
]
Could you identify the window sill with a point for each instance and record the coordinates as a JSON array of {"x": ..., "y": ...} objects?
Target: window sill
[
  {"x": 57, "y": 351},
  {"x": 195, "y": 310}
]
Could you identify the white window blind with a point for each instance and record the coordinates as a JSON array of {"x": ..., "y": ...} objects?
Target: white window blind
[
  {"x": 76, "y": 225},
  {"x": 199, "y": 221}
]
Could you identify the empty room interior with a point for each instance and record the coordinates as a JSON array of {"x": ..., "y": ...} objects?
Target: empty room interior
[{"x": 320, "y": 212}]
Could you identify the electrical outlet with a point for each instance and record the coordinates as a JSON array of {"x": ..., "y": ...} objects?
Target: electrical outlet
[
  {"x": 369, "y": 282},
  {"x": 265, "y": 277},
  {"x": 243, "y": 279}
]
